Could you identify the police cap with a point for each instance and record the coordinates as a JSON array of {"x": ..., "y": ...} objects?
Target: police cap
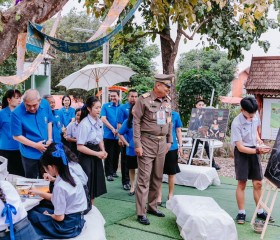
[{"x": 165, "y": 79}]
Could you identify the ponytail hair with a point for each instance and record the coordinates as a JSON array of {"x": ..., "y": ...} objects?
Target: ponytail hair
[
  {"x": 9, "y": 94},
  {"x": 57, "y": 155},
  {"x": 90, "y": 102},
  {"x": 2, "y": 196},
  {"x": 130, "y": 117}
]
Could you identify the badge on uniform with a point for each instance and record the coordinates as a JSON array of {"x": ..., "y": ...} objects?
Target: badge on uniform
[
  {"x": 161, "y": 117},
  {"x": 168, "y": 119}
]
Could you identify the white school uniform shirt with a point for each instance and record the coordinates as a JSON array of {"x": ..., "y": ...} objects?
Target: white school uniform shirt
[
  {"x": 67, "y": 199},
  {"x": 72, "y": 130},
  {"x": 244, "y": 131},
  {"x": 75, "y": 168},
  {"x": 12, "y": 198},
  {"x": 90, "y": 130}
]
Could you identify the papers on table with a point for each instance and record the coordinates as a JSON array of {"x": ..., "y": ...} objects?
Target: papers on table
[{"x": 31, "y": 182}]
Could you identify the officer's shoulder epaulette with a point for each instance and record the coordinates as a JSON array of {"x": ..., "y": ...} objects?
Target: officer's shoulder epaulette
[
  {"x": 145, "y": 95},
  {"x": 169, "y": 97}
]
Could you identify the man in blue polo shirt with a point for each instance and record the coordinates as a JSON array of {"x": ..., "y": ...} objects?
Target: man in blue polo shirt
[
  {"x": 122, "y": 114},
  {"x": 32, "y": 127},
  {"x": 109, "y": 118}
]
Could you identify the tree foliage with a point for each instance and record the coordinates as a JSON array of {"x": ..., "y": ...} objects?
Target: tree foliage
[
  {"x": 14, "y": 20},
  {"x": 211, "y": 60},
  {"x": 137, "y": 56},
  {"x": 232, "y": 25},
  {"x": 193, "y": 85}
]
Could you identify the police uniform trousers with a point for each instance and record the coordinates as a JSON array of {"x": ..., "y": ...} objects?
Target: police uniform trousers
[
  {"x": 150, "y": 172},
  {"x": 47, "y": 227},
  {"x": 93, "y": 167}
]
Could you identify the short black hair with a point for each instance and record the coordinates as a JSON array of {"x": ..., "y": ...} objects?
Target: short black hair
[
  {"x": 78, "y": 110},
  {"x": 249, "y": 104},
  {"x": 131, "y": 91},
  {"x": 115, "y": 91},
  {"x": 66, "y": 96},
  {"x": 199, "y": 100},
  {"x": 9, "y": 94}
]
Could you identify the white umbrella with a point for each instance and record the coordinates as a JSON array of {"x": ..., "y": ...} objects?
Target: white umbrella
[{"x": 97, "y": 75}]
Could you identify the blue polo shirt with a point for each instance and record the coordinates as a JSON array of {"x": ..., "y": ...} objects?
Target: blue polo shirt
[
  {"x": 57, "y": 126},
  {"x": 128, "y": 135},
  {"x": 176, "y": 123},
  {"x": 6, "y": 139},
  {"x": 33, "y": 126},
  {"x": 109, "y": 110},
  {"x": 67, "y": 115},
  {"x": 123, "y": 112}
]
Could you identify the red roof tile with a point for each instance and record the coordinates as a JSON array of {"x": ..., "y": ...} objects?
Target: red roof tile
[{"x": 264, "y": 76}]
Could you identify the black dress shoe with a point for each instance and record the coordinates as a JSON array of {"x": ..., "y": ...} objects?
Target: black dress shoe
[
  {"x": 126, "y": 187},
  {"x": 115, "y": 175},
  {"x": 110, "y": 178},
  {"x": 156, "y": 213},
  {"x": 216, "y": 166},
  {"x": 131, "y": 193},
  {"x": 143, "y": 220},
  {"x": 159, "y": 204}
]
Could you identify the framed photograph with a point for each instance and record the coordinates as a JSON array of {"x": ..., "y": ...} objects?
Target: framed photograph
[
  {"x": 208, "y": 123},
  {"x": 270, "y": 118},
  {"x": 272, "y": 172}
]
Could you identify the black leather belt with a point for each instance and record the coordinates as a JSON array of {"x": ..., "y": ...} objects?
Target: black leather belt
[{"x": 17, "y": 227}]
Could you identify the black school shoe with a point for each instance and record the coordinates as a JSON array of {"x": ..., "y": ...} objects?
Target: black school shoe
[
  {"x": 263, "y": 216},
  {"x": 143, "y": 220},
  {"x": 110, "y": 178},
  {"x": 156, "y": 213},
  {"x": 240, "y": 218},
  {"x": 115, "y": 175},
  {"x": 126, "y": 186},
  {"x": 216, "y": 166}
]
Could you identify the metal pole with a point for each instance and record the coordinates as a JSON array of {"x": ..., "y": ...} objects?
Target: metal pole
[
  {"x": 212, "y": 97},
  {"x": 106, "y": 61}
]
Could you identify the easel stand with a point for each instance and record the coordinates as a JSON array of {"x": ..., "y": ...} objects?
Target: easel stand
[
  {"x": 201, "y": 157},
  {"x": 269, "y": 190}
]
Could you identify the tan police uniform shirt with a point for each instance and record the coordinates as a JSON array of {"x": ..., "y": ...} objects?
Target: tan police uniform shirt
[{"x": 145, "y": 117}]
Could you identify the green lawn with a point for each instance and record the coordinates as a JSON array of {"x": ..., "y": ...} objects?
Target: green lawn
[{"x": 118, "y": 209}]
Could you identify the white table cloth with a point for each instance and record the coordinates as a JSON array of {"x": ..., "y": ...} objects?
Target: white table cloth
[
  {"x": 201, "y": 218},
  {"x": 199, "y": 177}
]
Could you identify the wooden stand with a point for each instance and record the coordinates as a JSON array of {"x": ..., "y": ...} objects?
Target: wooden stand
[
  {"x": 211, "y": 150},
  {"x": 265, "y": 202}
]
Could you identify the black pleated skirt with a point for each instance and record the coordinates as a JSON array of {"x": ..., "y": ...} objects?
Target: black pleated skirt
[{"x": 93, "y": 167}]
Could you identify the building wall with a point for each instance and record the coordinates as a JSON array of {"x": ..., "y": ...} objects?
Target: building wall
[{"x": 238, "y": 84}]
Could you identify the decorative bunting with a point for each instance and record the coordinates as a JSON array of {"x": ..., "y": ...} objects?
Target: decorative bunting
[{"x": 70, "y": 47}]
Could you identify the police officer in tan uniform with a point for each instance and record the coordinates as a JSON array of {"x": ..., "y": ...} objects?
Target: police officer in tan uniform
[{"x": 152, "y": 138}]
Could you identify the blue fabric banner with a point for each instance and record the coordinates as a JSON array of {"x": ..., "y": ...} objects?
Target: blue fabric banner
[
  {"x": 70, "y": 47},
  {"x": 35, "y": 41}
]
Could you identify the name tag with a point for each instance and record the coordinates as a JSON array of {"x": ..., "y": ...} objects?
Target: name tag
[{"x": 161, "y": 117}]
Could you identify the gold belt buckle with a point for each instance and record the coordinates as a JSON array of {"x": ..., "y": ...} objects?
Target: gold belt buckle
[{"x": 159, "y": 137}]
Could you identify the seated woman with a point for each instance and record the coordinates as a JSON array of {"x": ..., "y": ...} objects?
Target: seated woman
[
  {"x": 68, "y": 198},
  {"x": 13, "y": 215},
  {"x": 76, "y": 169}
]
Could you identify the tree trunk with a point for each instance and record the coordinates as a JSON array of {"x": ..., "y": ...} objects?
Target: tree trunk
[
  {"x": 169, "y": 50},
  {"x": 14, "y": 21}
]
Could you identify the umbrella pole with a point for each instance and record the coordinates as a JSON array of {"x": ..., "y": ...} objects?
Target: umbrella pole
[{"x": 97, "y": 85}]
